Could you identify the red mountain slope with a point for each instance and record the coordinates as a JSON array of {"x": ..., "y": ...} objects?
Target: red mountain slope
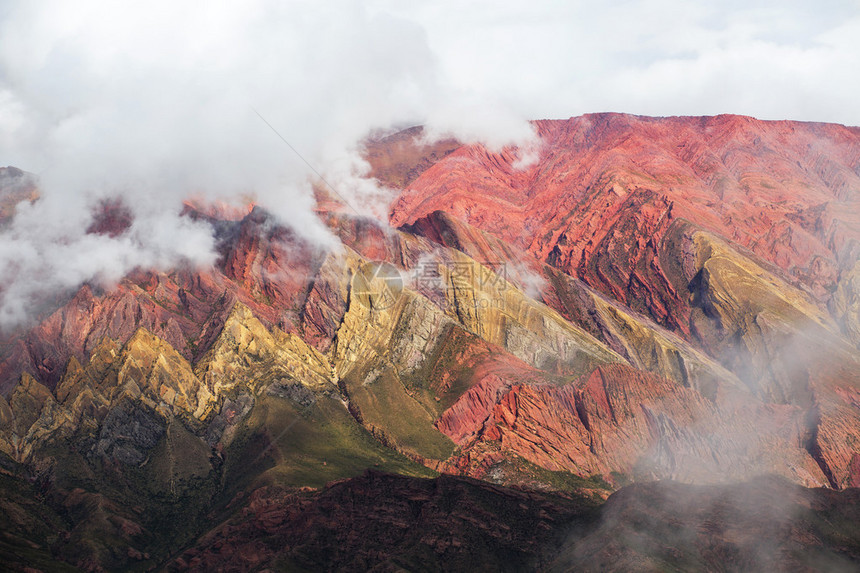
[
  {"x": 785, "y": 190},
  {"x": 653, "y": 299}
]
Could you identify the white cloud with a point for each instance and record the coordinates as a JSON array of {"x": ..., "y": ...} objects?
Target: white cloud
[
  {"x": 155, "y": 101},
  {"x": 158, "y": 101},
  {"x": 773, "y": 60}
]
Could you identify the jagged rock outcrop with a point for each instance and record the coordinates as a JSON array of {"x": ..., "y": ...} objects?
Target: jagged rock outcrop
[
  {"x": 392, "y": 337},
  {"x": 485, "y": 303},
  {"x": 327, "y": 300},
  {"x": 272, "y": 265},
  {"x": 372, "y": 352},
  {"x": 247, "y": 355},
  {"x": 618, "y": 420},
  {"x": 31, "y": 416},
  {"x": 131, "y": 387},
  {"x": 128, "y": 433},
  {"x": 604, "y": 179},
  {"x": 264, "y": 266},
  {"x": 654, "y": 298},
  {"x": 163, "y": 307},
  {"x": 493, "y": 308},
  {"x": 633, "y": 336}
]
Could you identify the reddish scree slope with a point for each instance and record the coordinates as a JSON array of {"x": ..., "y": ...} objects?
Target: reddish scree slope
[{"x": 781, "y": 189}]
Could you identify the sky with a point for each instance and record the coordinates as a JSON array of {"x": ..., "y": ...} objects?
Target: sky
[
  {"x": 152, "y": 102},
  {"x": 768, "y": 59}
]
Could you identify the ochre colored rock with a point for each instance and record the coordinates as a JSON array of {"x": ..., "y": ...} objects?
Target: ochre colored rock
[
  {"x": 7, "y": 417},
  {"x": 32, "y": 416},
  {"x": 633, "y": 336},
  {"x": 246, "y": 354},
  {"x": 148, "y": 371}
]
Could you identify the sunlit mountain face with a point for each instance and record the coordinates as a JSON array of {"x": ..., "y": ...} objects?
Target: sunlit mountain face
[{"x": 633, "y": 346}]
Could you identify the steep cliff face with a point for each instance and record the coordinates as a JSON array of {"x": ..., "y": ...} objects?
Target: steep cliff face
[
  {"x": 247, "y": 355},
  {"x": 78, "y": 327},
  {"x": 264, "y": 266},
  {"x": 148, "y": 372},
  {"x": 618, "y": 420},
  {"x": 636, "y": 338},
  {"x": 607, "y": 187},
  {"x": 729, "y": 232}
]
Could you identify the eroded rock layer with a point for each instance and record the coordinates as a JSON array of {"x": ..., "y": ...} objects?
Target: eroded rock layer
[{"x": 652, "y": 299}]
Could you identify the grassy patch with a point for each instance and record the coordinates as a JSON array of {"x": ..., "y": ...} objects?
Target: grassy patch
[
  {"x": 522, "y": 470},
  {"x": 283, "y": 443},
  {"x": 399, "y": 418}
]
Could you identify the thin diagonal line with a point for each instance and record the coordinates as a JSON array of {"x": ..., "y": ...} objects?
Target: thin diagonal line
[
  {"x": 299, "y": 155},
  {"x": 275, "y": 441}
]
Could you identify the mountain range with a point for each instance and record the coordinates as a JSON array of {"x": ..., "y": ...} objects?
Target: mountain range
[{"x": 637, "y": 350}]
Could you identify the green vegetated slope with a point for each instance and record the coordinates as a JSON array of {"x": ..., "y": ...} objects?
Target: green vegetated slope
[{"x": 285, "y": 443}]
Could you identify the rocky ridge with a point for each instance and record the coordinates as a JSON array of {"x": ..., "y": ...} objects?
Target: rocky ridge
[{"x": 637, "y": 326}]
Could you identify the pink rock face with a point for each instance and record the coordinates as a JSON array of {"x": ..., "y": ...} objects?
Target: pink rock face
[
  {"x": 467, "y": 417},
  {"x": 609, "y": 183},
  {"x": 263, "y": 265},
  {"x": 492, "y": 374},
  {"x": 76, "y": 328},
  {"x": 399, "y": 158},
  {"x": 619, "y": 419},
  {"x": 611, "y": 206},
  {"x": 272, "y": 268}
]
